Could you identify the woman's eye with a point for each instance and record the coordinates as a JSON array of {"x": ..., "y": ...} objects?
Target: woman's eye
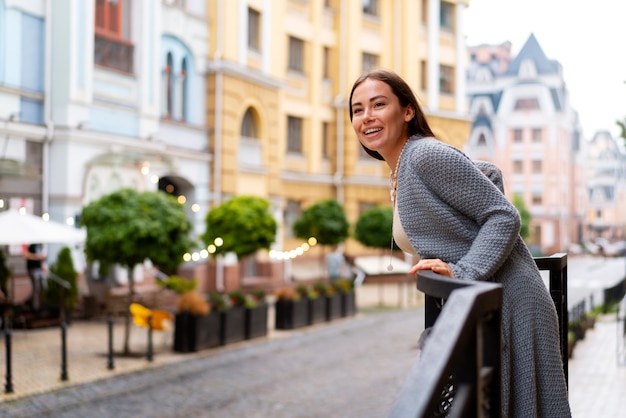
[
  {"x": 379, "y": 104},
  {"x": 355, "y": 111}
]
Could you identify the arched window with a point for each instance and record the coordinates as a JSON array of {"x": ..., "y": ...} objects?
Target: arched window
[
  {"x": 250, "y": 151},
  {"x": 167, "y": 88},
  {"x": 248, "y": 125},
  {"x": 183, "y": 90}
]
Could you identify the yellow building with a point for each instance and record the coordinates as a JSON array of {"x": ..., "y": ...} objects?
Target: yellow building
[{"x": 280, "y": 74}]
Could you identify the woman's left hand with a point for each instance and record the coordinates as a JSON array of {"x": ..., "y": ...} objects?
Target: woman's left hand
[{"x": 434, "y": 264}]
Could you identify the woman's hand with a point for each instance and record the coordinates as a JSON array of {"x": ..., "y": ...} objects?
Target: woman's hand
[{"x": 434, "y": 264}]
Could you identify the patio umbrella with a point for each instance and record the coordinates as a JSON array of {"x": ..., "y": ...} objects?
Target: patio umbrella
[{"x": 16, "y": 228}]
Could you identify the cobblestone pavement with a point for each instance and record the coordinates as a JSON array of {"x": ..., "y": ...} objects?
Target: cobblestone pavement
[{"x": 349, "y": 368}]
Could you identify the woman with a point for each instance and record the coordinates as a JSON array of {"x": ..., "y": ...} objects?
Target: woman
[{"x": 460, "y": 224}]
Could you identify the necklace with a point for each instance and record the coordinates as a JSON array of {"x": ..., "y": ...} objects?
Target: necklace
[{"x": 393, "y": 184}]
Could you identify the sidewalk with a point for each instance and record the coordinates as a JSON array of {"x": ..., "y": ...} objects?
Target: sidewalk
[{"x": 36, "y": 353}]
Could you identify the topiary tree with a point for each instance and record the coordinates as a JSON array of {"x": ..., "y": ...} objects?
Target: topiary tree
[
  {"x": 524, "y": 213},
  {"x": 325, "y": 220},
  {"x": 244, "y": 223},
  {"x": 57, "y": 295},
  {"x": 128, "y": 227},
  {"x": 373, "y": 228}
]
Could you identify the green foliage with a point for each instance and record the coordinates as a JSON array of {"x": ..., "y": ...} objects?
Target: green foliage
[
  {"x": 306, "y": 293},
  {"x": 178, "y": 284},
  {"x": 373, "y": 228},
  {"x": 128, "y": 227},
  {"x": 325, "y": 220},
  {"x": 524, "y": 213},
  {"x": 219, "y": 301},
  {"x": 5, "y": 273},
  {"x": 244, "y": 223},
  {"x": 237, "y": 298},
  {"x": 324, "y": 289},
  {"x": 344, "y": 285},
  {"x": 63, "y": 268}
]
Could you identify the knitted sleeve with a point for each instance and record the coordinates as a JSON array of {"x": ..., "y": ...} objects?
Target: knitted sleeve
[{"x": 456, "y": 181}]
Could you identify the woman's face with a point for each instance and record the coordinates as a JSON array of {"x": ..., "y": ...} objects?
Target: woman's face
[{"x": 380, "y": 122}]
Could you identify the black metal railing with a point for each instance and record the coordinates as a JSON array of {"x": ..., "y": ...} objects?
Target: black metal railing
[{"x": 458, "y": 372}]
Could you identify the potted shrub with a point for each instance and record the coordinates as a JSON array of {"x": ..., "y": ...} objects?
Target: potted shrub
[
  {"x": 333, "y": 300},
  {"x": 291, "y": 309},
  {"x": 57, "y": 296},
  {"x": 256, "y": 315},
  {"x": 196, "y": 325},
  {"x": 316, "y": 305},
  {"x": 345, "y": 287},
  {"x": 231, "y": 307}
]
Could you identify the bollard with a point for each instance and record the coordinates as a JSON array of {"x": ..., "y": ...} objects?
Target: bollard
[
  {"x": 150, "y": 350},
  {"x": 8, "y": 387},
  {"x": 64, "y": 376},
  {"x": 110, "y": 364}
]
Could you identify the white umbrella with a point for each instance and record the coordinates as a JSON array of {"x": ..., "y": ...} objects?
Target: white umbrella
[{"x": 16, "y": 228}]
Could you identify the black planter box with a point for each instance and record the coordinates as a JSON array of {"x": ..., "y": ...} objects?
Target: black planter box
[
  {"x": 232, "y": 325},
  {"x": 348, "y": 304},
  {"x": 196, "y": 332},
  {"x": 333, "y": 307},
  {"x": 256, "y": 321},
  {"x": 291, "y": 314},
  {"x": 317, "y": 310}
]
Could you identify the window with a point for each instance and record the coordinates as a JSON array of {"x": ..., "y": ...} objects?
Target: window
[
  {"x": 326, "y": 63},
  {"x": 292, "y": 213},
  {"x": 482, "y": 141},
  {"x": 296, "y": 54},
  {"x": 294, "y": 134},
  {"x": 425, "y": 12},
  {"x": 325, "y": 139},
  {"x": 537, "y": 134},
  {"x": 370, "y": 61},
  {"x": 423, "y": 75},
  {"x": 527, "y": 104},
  {"x": 112, "y": 47},
  {"x": 446, "y": 79},
  {"x": 517, "y": 135},
  {"x": 254, "y": 30},
  {"x": 176, "y": 3},
  {"x": 370, "y": 7},
  {"x": 518, "y": 167},
  {"x": 248, "y": 125},
  {"x": 175, "y": 89},
  {"x": 537, "y": 200},
  {"x": 446, "y": 16},
  {"x": 537, "y": 166}
]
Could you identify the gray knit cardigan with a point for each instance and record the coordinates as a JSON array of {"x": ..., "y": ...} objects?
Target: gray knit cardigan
[{"x": 452, "y": 211}]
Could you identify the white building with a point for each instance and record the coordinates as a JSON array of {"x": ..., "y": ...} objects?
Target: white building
[{"x": 88, "y": 106}]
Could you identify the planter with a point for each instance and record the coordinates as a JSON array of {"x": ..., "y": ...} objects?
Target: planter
[
  {"x": 196, "y": 332},
  {"x": 232, "y": 325},
  {"x": 291, "y": 314},
  {"x": 317, "y": 310},
  {"x": 333, "y": 307},
  {"x": 348, "y": 304},
  {"x": 256, "y": 321}
]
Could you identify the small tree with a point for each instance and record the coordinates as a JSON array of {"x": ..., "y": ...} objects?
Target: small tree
[
  {"x": 525, "y": 216},
  {"x": 57, "y": 295},
  {"x": 326, "y": 221},
  {"x": 373, "y": 228},
  {"x": 128, "y": 227},
  {"x": 244, "y": 223}
]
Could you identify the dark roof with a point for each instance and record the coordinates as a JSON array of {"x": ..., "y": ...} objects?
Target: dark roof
[
  {"x": 531, "y": 50},
  {"x": 482, "y": 120}
]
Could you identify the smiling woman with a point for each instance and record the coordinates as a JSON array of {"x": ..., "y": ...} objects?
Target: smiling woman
[{"x": 458, "y": 223}]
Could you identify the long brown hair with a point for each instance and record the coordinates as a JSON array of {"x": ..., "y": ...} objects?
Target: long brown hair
[{"x": 416, "y": 126}]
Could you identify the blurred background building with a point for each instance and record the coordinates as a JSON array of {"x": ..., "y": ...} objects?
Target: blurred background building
[{"x": 208, "y": 99}]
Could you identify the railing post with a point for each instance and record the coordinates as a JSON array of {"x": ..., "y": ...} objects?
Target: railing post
[
  {"x": 150, "y": 355},
  {"x": 110, "y": 364},
  {"x": 64, "y": 376},
  {"x": 8, "y": 386}
]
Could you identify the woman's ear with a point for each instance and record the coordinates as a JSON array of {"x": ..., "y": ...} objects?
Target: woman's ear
[{"x": 409, "y": 113}]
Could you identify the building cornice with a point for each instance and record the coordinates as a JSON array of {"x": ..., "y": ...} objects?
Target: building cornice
[{"x": 233, "y": 69}]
